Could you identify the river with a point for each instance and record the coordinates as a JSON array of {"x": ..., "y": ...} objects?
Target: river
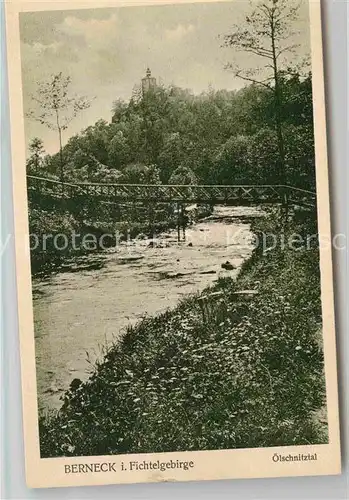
[{"x": 78, "y": 314}]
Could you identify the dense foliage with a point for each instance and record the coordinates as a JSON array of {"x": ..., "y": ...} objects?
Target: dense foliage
[
  {"x": 222, "y": 137},
  {"x": 44, "y": 227}
]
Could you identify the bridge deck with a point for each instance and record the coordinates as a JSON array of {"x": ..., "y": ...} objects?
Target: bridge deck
[{"x": 215, "y": 194}]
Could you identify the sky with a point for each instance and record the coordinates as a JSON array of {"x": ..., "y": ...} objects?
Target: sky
[{"x": 106, "y": 52}]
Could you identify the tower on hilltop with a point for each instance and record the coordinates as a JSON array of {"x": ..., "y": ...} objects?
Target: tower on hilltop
[{"x": 148, "y": 82}]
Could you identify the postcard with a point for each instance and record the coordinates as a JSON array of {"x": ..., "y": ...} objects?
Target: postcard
[{"x": 173, "y": 240}]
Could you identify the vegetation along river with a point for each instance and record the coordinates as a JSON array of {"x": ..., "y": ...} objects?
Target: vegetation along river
[{"x": 77, "y": 314}]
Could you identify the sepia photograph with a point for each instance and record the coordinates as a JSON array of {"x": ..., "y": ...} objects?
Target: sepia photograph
[
  {"x": 162, "y": 143},
  {"x": 172, "y": 197}
]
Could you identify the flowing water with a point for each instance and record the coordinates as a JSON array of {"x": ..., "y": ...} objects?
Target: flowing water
[{"x": 78, "y": 313}]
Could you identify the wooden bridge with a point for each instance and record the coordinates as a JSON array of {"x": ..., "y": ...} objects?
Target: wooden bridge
[{"x": 210, "y": 194}]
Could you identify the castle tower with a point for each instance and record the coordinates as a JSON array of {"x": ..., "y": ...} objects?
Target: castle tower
[{"x": 148, "y": 82}]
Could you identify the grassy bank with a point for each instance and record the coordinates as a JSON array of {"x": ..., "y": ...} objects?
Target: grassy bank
[{"x": 224, "y": 369}]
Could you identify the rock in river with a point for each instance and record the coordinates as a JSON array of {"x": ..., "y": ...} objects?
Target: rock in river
[
  {"x": 228, "y": 266},
  {"x": 129, "y": 258}
]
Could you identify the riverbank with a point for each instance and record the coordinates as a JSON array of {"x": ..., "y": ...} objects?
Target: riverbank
[
  {"x": 83, "y": 311},
  {"x": 239, "y": 365}
]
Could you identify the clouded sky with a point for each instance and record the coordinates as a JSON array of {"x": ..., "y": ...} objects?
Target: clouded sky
[{"x": 106, "y": 52}]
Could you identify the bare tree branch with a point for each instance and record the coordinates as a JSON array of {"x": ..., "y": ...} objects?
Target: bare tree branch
[{"x": 240, "y": 74}]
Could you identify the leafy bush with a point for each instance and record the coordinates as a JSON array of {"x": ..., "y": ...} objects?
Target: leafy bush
[{"x": 44, "y": 226}]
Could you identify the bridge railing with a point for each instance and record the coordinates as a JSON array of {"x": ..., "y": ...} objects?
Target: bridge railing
[
  {"x": 45, "y": 185},
  {"x": 183, "y": 193},
  {"x": 301, "y": 196},
  {"x": 244, "y": 194}
]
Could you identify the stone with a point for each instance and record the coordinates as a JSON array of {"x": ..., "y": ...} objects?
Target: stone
[
  {"x": 228, "y": 266},
  {"x": 131, "y": 258}
]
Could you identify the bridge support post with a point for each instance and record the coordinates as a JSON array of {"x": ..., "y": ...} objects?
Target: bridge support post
[
  {"x": 286, "y": 208},
  {"x": 179, "y": 210},
  {"x": 184, "y": 220},
  {"x": 151, "y": 219}
]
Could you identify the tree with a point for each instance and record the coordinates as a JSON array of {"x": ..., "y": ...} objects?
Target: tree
[
  {"x": 264, "y": 156},
  {"x": 154, "y": 108},
  {"x": 171, "y": 156},
  {"x": 36, "y": 149},
  {"x": 232, "y": 163},
  {"x": 56, "y": 107},
  {"x": 183, "y": 175},
  {"x": 118, "y": 151},
  {"x": 266, "y": 34}
]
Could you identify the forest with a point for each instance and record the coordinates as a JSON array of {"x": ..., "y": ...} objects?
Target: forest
[{"x": 169, "y": 135}]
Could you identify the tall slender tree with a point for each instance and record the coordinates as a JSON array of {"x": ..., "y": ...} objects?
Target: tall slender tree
[
  {"x": 56, "y": 107},
  {"x": 267, "y": 33}
]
